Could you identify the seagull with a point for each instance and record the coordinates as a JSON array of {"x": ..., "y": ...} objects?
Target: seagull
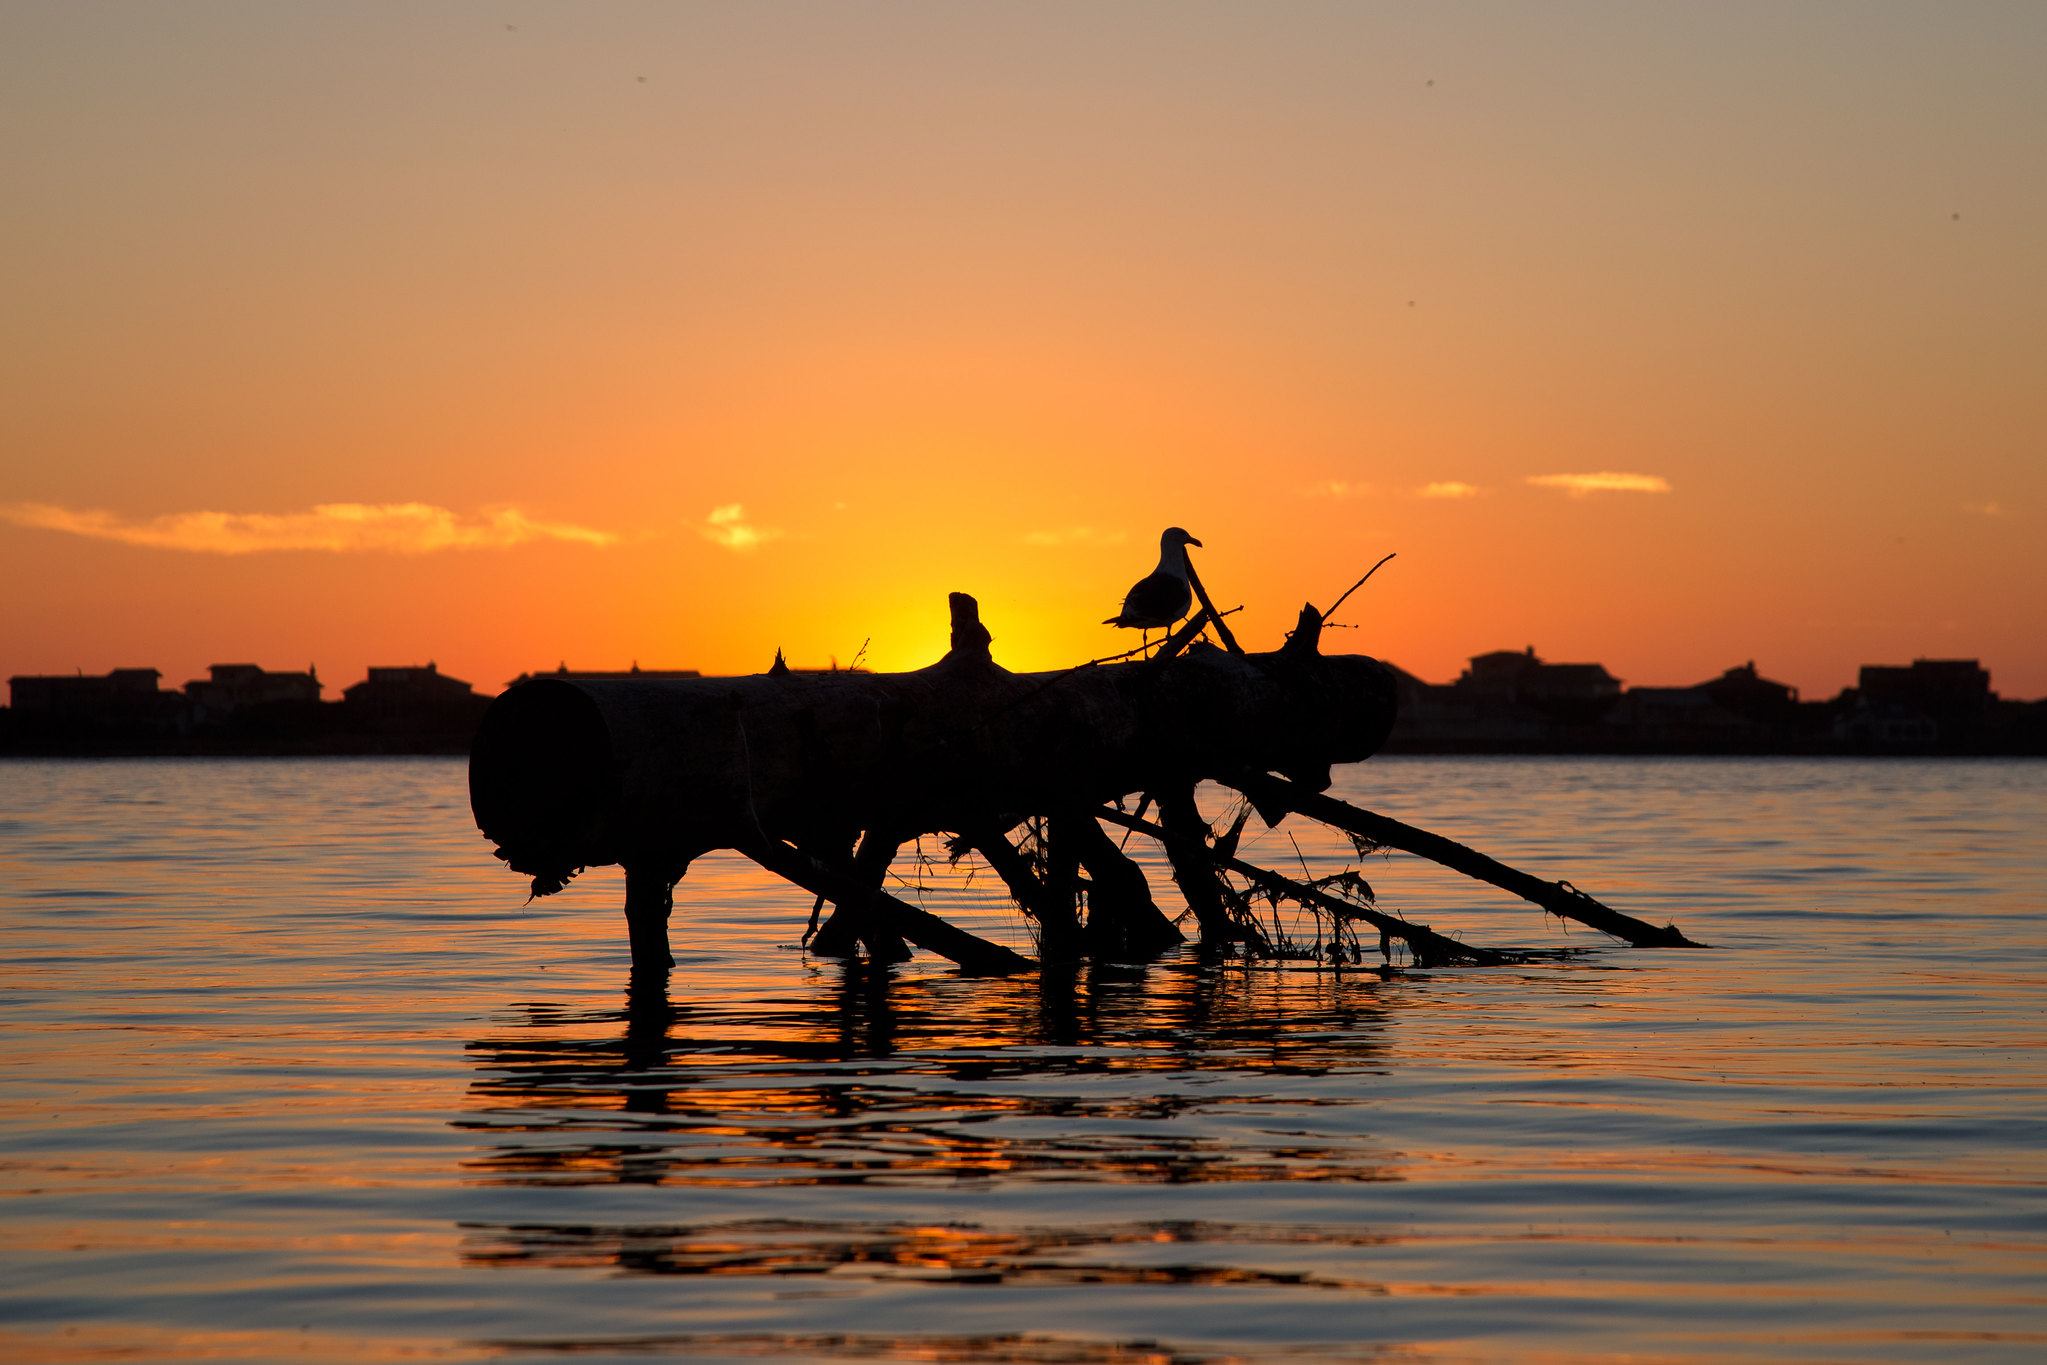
[{"x": 1163, "y": 596}]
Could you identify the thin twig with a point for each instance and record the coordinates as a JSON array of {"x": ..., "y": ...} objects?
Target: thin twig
[
  {"x": 1351, "y": 589},
  {"x": 1299, "y": 857}
]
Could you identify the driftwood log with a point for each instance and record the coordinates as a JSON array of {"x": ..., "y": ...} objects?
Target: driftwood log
[{"x": 821, "y": 777}]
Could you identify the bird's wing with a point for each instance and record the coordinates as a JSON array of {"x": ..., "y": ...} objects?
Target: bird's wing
[{"x": 1157, "y": 600}]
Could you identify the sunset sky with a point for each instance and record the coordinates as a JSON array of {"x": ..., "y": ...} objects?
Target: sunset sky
[{"x": 504, "y": 335}]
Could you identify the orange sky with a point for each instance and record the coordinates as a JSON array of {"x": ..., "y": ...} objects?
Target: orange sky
[{"x": 528, "y": 298}]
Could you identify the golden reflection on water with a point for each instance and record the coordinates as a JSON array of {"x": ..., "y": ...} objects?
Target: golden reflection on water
[
  {"x": 838, "y": 1100},
  {"x": 293, "y": 1073},
  {"x": 950, "y": 1255}
]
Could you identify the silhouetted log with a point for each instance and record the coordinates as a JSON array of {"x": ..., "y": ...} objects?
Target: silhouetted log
[
  {"x": 570, "y": 773},
  {"x": 1123, "y": 920},
  {"x": 871, "y": 863},
  {"x": 649, "y": 897},
  {"x": 1277, "y": 795},
  {"x": 1059, "y": 928},
  {"x": 1063, "y": 881},
  {"x": 1429, "y": 947},
  {"x": 840, "y": 852},
  {"x": 973, "y": 953},
  {"x": 851, "y": 925},
  {"x": 1187, "y": 849}
]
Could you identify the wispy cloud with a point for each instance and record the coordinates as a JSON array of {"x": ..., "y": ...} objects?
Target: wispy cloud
[
  {"x": 729, "y": 527},
  {"x": 1073, "y": 535},
  {"x": 1337, "y": 488},
  {"x": 1448, "y": 489},
  {"x": 1605, "y": 481},
  {"x": 342, "y": 527}
]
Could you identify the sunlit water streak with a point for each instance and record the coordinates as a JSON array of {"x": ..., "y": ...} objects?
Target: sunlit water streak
[{"x": 291, "y": 1072}]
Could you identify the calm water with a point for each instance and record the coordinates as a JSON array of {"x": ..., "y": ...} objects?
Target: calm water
[{"x": 292, "y": 1073}]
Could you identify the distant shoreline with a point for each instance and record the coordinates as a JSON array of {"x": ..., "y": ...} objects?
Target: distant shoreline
[
  {"x": 1391, "y": 751},
  {"x": 1508, "y": 702}
]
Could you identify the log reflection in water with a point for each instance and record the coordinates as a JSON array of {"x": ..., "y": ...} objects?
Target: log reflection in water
[
  {"x": 980, "y": 1348},
  {"x": 1067, "y": 1077},
  {"x": 1165, "y": 1252}
]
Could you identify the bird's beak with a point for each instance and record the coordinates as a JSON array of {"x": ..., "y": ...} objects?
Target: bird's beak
[{"x": 1192, "y": 541}]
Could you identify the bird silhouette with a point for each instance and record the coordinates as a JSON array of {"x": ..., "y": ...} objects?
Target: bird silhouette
[{"x": 1162, "y": 596}]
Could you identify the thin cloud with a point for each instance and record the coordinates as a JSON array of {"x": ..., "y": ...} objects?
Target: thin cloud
[
  {"x": 1073, "y": 535},
  {"x": 339, "y": 527},
  {"x": 729, "y": 527},
  {"x": 1448, "y": 489},
  {"x": 1337, "y": 488},
  {"x": 1605, "y": 481},
  {"x": 1987, "y": 509}
]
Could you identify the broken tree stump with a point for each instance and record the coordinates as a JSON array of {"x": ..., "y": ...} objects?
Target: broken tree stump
[
  {"x": 568, "y": 774},
  {"x": 794, "y": 770}
]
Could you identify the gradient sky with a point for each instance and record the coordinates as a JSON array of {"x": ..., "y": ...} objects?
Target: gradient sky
[{"x": 509, "y": 334}]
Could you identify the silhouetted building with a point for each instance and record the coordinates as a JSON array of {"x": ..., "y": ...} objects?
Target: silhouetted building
[
  {"x": 1433, "y": 718},
  {"x": 1524, "y": 677},
  {"x": 1934, "y": 687},
  {"x": 124, "y": 694},
  {"x": 1574, "y": 693},
  {"x": 234, "y": 687},
  {"x": 407, "y": 692},
  {"x": 1744, "y": 692},
  {"x": 578, "y": 675},
  {"x": 1679, "y": 720},
  {"x": 1935, "y": 703},
  {"x": 412, "y": 709},
  {"x": 74, "y": 713},
  {"x": 1886, "y": 725},
  {"x": 1498, "y": 674},
  {"x": 1514, "y": 702}
]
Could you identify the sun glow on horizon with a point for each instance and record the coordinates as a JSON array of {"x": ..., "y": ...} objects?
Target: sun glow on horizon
[{"x": 825, "y": 319}]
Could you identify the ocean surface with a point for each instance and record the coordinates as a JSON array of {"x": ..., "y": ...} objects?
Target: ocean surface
[{"x": 292, "y": 1071}]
